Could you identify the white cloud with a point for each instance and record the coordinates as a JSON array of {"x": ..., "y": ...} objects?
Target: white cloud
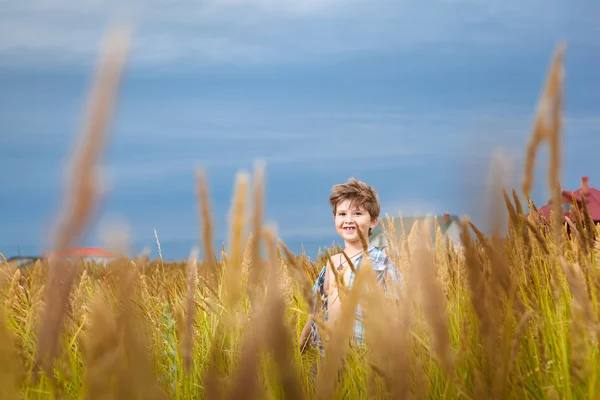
[
  {"x": 159, "y": 169},
  {"x": 409, "y": 208},
  {"x": 190, "y": 33},
  {"x": 316, "y": 232}
]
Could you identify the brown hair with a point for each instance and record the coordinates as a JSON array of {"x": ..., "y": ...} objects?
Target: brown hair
[{"x": 359, "y": 193}]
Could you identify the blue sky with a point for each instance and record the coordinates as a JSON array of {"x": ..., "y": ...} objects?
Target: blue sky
[{"x": 412, "y": 97}]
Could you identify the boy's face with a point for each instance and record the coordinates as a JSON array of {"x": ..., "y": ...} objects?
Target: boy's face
[{"x": 348, "y": 218}]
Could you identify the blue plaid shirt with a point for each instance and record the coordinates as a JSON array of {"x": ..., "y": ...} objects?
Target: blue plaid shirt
[{"x": 381, "y": 264}]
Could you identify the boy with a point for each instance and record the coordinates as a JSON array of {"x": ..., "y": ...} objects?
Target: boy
[{"x": 355, "y": 207}]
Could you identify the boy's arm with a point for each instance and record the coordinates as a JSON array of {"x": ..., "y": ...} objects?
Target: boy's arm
[
  {"x": 304, "y": 336},
  {"x": 306, "y": 330}
]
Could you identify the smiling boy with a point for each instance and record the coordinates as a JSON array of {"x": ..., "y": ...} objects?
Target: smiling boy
[{"x": 355, "y": 207}]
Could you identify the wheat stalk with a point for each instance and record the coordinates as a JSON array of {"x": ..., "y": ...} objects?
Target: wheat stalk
[{"x": 81, "y": 193}]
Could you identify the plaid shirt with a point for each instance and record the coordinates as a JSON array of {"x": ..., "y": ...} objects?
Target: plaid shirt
[{"x": 381, "y": 264}]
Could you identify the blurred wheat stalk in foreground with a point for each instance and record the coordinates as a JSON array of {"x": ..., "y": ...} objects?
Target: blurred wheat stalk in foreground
[{"x": 512, "y": 316}]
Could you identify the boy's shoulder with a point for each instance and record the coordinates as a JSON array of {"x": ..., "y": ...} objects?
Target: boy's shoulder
[
  {"x": 378, "y": 254},
  {"x": 379, "y": 258},
  {"x": 375, "y": 254}
]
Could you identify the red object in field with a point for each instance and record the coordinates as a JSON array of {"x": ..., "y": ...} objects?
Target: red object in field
[
  {"x": 95, "y": 254},
  {"x": 586, "y": 193}
]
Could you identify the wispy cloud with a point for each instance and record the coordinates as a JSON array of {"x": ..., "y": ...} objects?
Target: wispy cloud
[
  {"x": 316, "y": 232},
  {"x": 191, "y": 33},
  {"x": 347, "y": 158},
  {"x": 410, "y": 208},
  {"x": 346, "y": 141}
]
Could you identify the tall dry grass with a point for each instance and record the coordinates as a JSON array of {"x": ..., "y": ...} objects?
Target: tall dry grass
[{"x": 499, "y": 317}]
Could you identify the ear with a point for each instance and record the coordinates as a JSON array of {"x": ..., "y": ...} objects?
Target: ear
[{"x": 374, "y": 222}]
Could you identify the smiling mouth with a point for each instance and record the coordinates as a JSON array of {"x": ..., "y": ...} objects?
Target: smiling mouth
[{"x": 349, "y": 228}]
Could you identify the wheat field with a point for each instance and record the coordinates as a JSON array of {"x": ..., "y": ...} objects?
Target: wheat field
[{"x": 502, "y": 316}]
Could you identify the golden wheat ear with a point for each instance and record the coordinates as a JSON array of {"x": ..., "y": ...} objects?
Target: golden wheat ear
[
  {"x": 210, "y": 272},
  {"x": 547, "y": 128},
  {"x": 433, "y": 301},
  {"x": 188, "y": 339},
  {"x": 547, "y": 118},
  {"x": 299, "y": 274},
  {"x": 82, "y": 190},
  {"x": 9, "y": 375},
  {"x": 279, "y": 335},
  {"x": 256, "y": 278},
  {"x": 233, "y": 267}
]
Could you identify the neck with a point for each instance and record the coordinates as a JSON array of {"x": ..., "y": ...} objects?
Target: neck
[{"x": 352, "y": 249}]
